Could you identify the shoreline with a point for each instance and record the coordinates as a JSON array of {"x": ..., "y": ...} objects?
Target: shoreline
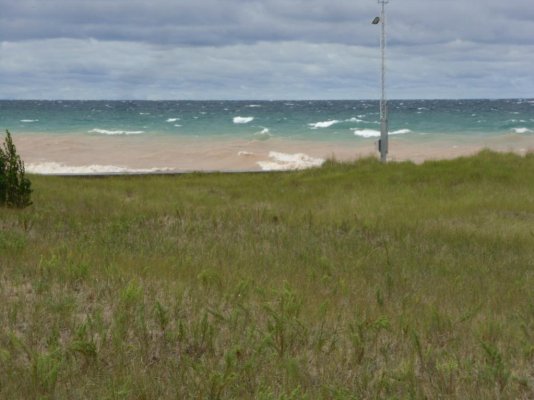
[{"x": 60, "y": 154}]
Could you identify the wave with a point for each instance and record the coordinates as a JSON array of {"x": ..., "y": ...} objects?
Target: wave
[
  {"x": 29, "y": 120},
  {"x": 366, "y": 133},
  {"x": 243, "y": 120},
  {"x": 54, "y": 168},
  {"x": 264, "y": 131},
  {"x": 369, "y": 133},
  {"x": 324, "y": 124},
  {"x": 285, "y": 162},
  {"x": 172, "y": 119},
  {"x": 522, "y": 130},
  {"x": 245, "y": 153},
  {"x": 354, "y": 119},
  {"x": 253, "y": 106},
  {"x": 400, "y": 132},
  {"x": 106, "y": 132}
]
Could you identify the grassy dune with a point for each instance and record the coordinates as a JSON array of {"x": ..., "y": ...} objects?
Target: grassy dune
[{"x": 352, "y": 281}]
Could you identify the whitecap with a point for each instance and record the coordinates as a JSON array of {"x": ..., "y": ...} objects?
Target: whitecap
[
  {"x": 245, "y": 153},
  {"x": 400, "y": 132},
  {"x": 144, "y": 113},
  {"x": 178, "y": 125},
  {"x": 354, "y": 119},
  {"x": 264, "y": 131},
  {"x": 253, "y": 105},
  {"x": 285, "y": 162},
  {"x": 522, "y": 130},
  {"x": 54, "y": 168},
  {"x": 116, "y": 132},
  {"x": 173, "y": 119},
  {"x": 323, "y": 124},
  {"x": 243, "y": 120},
  {"x": 29, "y": 120},
  {"x": 369, "y": 133},
  {"x": 366, "y": 133}
]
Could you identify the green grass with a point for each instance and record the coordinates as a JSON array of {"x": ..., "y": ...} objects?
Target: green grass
[{"x": 352, "y": 281}]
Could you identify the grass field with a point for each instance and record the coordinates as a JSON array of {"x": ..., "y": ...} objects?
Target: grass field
[{"x": 351, "y": 281}]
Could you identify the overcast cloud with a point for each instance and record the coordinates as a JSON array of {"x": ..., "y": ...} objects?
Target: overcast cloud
[{"x": 271, "y": 49}]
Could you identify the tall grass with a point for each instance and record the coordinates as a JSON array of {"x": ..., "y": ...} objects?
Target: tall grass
[{"x": 352, "y": 281}]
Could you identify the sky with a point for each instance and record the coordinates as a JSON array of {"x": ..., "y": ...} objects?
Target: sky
[{"x": 264, "y": 50}]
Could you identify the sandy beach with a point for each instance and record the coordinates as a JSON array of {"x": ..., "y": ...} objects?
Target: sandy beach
[{"x": 78, "y": 154}]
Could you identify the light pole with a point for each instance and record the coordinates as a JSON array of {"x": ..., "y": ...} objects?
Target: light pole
[{"x": 383, "y": 142}]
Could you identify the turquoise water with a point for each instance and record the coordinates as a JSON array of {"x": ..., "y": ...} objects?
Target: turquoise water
[{"x": 310, "y": 120}]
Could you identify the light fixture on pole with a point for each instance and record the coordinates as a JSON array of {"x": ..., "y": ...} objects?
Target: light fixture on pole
[{"x": 383, "y": 142}]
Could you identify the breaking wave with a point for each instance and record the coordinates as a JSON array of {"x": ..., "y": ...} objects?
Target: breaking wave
[
  {"x": 369, "y": 133},
  {"x": 264, "y": 131},
  {"x": 243, "y": 120},
  {"x": 117, "y": 132},
  {"x": 522, "y": 130},
  {"x": 400, "y": 132},
  {"x": 323, "y": 124},
  {"x": 285, "y": 162}
]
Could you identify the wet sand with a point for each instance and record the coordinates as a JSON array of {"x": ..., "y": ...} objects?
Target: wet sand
[{"x": 46, "y": 153}]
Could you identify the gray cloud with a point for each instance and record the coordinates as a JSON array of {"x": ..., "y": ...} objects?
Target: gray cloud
[
  {"x": 225, "y": 22},
  {"x": 263, "y": 49}
]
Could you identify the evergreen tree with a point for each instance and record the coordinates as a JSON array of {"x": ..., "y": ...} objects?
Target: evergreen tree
[{"x": 15, "y": 188}]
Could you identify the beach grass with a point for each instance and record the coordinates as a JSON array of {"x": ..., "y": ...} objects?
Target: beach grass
[{"x": 351, "y": 281}]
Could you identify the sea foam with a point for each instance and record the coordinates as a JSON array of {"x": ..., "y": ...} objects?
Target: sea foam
[
  {"x": 116, "y": 132},
  {"x": 285, "y": 162},
  {"x": 54, "y": 168},
  {"x": 243, "y": 120}
]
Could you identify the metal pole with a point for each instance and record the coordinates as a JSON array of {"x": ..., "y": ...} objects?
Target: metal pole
[{"x": 383, "y": 144}]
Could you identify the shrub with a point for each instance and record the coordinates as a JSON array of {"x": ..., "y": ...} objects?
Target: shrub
[{"x": 15, "y": 188}]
